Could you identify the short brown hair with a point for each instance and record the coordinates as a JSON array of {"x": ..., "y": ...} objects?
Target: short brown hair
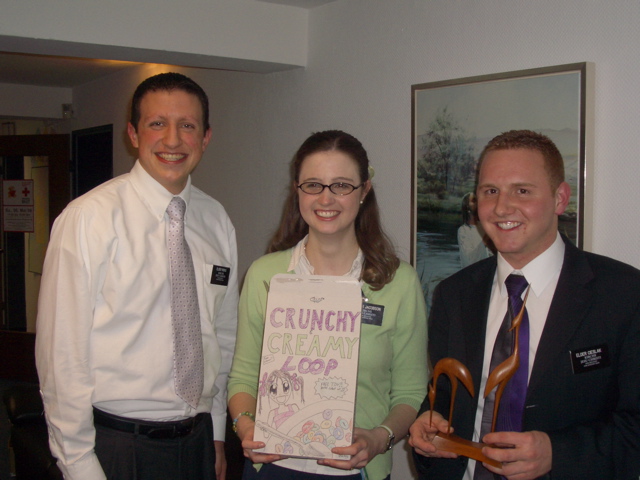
[
  {"x": 169, "y": 82},
  {"x": 529, "y": 140}
]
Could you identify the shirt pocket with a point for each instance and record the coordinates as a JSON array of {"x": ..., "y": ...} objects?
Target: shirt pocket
[{"x": 215, "y": 280}]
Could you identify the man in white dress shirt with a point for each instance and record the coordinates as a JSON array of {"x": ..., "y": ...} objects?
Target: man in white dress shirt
[{"x": 104, "y": 344}]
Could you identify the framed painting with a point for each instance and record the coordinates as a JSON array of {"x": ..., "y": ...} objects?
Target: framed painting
[{"x": 453, "y": 120}]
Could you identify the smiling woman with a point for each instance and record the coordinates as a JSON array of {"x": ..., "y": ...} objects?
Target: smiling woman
[
  {"x": 331, "y": 226},
  {"x": 327, "y": 213}
]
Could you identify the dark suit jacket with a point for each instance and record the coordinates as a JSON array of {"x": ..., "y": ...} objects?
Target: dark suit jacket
[{"x": 592, "y": 418}]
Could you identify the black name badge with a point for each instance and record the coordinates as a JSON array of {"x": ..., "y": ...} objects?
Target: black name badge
[
  {"x": 220, "y": 275},
  {"x": 372, "y": 314},
  {"x": 591, "y": 358}
]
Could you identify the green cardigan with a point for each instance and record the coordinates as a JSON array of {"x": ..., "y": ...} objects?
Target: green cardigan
[{"x": 393, "y": 356}]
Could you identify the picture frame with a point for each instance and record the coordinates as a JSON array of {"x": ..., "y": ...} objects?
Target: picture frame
[{"x": 452, "y": 121}]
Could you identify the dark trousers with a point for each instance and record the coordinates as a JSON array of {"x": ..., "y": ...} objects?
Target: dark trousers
[
  {"x": 271, "y": 471},
  {"x": 129, "y": 456}
]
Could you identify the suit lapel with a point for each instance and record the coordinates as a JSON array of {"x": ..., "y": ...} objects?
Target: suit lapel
[
  {"x": 474, "y": 316},
  {"x": 570, "y": 303}
]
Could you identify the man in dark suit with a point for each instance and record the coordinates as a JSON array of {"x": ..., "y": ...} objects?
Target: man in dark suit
[{"x": 582, "y": 410}]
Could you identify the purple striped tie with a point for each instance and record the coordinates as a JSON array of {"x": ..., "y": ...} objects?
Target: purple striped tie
[
  {"x": 511, "y": 411},
  {"x": 511, "y": 408}
]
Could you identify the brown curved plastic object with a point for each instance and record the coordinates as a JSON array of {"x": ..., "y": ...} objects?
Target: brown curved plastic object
[
  {"x": 507, "y": 369},
  {"x": 499, "y": 377},
  {"x": 448, "y": 442},
  {"x": 455, "y": 370}
]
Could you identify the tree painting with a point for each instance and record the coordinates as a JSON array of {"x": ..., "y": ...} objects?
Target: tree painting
[
  {"x": 452, "y": 122},
  {"x": 445, "y": 157}
]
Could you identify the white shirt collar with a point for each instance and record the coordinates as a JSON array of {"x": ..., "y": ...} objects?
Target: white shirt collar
[
  {"x": 300, "y": 263},
  {"x": 538, "y": 271},
  {"x": 154, "y": 195}
]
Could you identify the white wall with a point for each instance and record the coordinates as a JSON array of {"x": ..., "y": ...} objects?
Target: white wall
[
  {"x": 33, "y": 101},
  {"x": 364, "y": 55},
  {"x": 359, "y": 79},
  {"x": 229, "y": 34}
]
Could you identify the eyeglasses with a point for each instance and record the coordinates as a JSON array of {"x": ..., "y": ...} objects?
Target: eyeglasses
[{"x": 338, "y": 188}]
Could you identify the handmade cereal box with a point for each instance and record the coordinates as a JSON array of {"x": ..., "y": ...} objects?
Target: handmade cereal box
[{"x": 309, "y": 365}]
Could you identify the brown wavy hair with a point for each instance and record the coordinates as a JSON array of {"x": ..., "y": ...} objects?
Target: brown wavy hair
[{"x": 380, "y": 259}]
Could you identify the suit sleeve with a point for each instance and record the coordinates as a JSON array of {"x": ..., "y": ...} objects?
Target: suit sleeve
[
  {"x": 437, "y": 347},
  {"x": 440, "y": 325},
  {"x": 608, "y": 446}
]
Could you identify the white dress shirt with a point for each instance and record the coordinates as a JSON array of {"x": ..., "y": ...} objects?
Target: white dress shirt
[
  {"x": 104, "y": 335},
  {"x": 542, "y": 274}
]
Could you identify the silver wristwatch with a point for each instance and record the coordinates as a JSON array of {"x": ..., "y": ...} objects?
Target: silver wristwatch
[{"x": 392, "y": 436}]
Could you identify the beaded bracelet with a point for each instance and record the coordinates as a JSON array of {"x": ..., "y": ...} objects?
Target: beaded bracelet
[{"x": 234, "y": 425}]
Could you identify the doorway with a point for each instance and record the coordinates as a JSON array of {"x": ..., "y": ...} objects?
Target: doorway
[
  {"x": 92, "y": 158},
  {"x": 13, "y": 150}
]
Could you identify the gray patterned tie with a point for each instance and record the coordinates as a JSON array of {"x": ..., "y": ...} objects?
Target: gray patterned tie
[{"x": 188, "y": 362}]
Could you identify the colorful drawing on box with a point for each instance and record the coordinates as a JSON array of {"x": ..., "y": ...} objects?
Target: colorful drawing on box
[
  {"x": 280, "y": 387},
  {"x": 311, "y": 432},
  {"x": 308, "y": 376}
]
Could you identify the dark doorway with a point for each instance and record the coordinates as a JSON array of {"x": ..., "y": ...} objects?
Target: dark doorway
[
  {"x": 92, "y": 158},
  {"x": 13, "y": 149},
  {"x": 13, "y": 252}
]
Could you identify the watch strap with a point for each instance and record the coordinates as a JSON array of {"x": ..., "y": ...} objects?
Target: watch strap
[{"x": 392, "y": 436}]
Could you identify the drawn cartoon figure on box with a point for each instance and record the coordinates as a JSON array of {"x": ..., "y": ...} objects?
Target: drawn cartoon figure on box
[
  {"x": 308, "y": 430},
  {"x": 280, "y": 386}
]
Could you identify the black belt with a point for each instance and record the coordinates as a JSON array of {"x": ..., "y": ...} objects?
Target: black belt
[{"x": 179, "y": 428}]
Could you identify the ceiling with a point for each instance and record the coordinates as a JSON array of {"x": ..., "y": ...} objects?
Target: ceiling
[
  {"x": 299, "y": 3},
  {"x": 68, "y": 72},
  {"x": 49, "y": 71}
]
